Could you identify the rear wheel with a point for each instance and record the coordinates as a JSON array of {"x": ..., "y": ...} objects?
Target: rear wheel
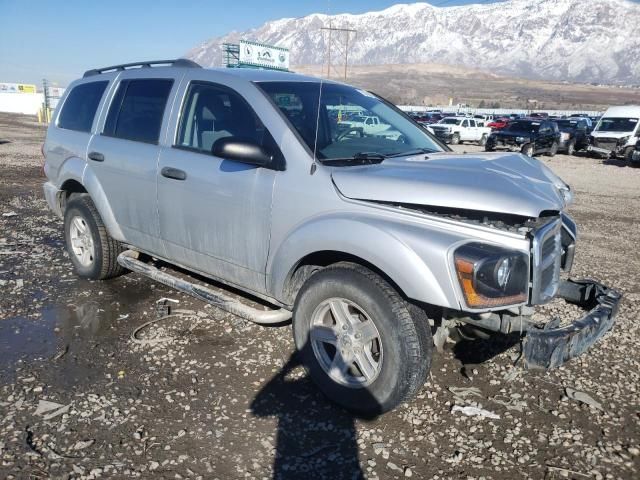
[
  {"x": 455, "y": 139},
  {"x": 571, "y": 148},
  {"x": 553, "y": 150},
  {"x": 91, "y": 249},
  {"x": 483, "y": 140},
  {"x": 365, "y": 347}
]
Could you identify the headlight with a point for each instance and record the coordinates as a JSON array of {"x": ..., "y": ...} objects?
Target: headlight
[
  {"x": 491, "y": 276},
  {"x": 564, "y": 136},
  {"x": 623, "y": 140},
  {"x": 522, "y": 139}
]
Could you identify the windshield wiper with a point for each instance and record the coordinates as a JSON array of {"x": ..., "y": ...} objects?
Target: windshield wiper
[
  {"x": 360, "y": 157},
  {"x": 415, "y": 151}
]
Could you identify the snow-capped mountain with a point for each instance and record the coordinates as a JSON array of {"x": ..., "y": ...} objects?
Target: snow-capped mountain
[{"x": 581, "y": 40}]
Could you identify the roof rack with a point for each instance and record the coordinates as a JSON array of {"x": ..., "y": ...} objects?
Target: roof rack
[{"x": 178, "y": 62}]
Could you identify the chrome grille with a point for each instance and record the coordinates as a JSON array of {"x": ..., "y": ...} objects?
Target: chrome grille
[{"x": 547, "y": 253}]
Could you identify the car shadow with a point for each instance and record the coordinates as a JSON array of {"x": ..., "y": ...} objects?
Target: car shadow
[
  {"x": 315, "y": 438},
  {"x": 480, "y": 350},
  {"x": 616, "y": 162}
]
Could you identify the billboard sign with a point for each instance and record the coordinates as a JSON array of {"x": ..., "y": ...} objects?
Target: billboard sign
[
  {"x": 265, "y": 56},
  {"x": 17, "y": 88}
]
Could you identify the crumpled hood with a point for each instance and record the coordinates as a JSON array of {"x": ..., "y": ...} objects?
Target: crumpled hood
[{"x": 492, "y": 182}]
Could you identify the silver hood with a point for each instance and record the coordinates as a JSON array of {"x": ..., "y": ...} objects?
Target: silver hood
[{"x": 491, "y": 182}]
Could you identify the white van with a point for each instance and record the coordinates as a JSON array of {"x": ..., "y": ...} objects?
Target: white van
[{"x": 617, "y": 132}]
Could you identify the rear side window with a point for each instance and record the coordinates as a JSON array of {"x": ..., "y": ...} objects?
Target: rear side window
[
  {"x": 80, "y": 106},
  {"x": 137, "y": 109}
]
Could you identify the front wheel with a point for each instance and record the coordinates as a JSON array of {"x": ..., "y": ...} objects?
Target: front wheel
[
  {"x": 365, "y": 347},
  {"x": 553, "y": 150},
  {"x": 628, "y": 154},
  {"x": 571, "y": 148},
  {"x": 527, "y": 150}
]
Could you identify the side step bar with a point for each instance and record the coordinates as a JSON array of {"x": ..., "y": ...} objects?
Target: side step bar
[{"x": 129, "y": 260}]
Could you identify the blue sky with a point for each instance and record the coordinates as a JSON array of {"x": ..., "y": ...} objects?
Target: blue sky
[{"x": 61, "y": 39}]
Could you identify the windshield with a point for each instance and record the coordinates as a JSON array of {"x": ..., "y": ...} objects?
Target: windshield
[
  {"x": 520, "y": 126},
  {"x": 612, "y": 124},
  {"x": 351, "y": 121},
  {"x": 450, "y": 121}
]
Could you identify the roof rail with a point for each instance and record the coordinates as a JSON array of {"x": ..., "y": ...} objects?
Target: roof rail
[{"x": 178, "y": 62}]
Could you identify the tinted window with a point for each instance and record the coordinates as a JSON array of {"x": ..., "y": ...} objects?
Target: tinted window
[
  {"x": 137, "y": 109},
  {"x": 213, "y": 112},
  {"x": 523, "y": 126},
  {"x": 80, "y": 106}
]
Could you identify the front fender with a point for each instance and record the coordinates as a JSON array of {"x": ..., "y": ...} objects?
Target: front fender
[{"x": 380, "y": 242}]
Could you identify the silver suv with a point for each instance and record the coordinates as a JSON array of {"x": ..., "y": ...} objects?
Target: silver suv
[{"x": 367, "y": 240}]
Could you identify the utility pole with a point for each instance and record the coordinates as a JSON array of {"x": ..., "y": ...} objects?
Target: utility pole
[
  {"x": 45, "y": 90},
  {"x": 347, "y": 37}
]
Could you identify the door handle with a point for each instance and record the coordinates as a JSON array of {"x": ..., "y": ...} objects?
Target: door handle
[
  {"x": 96, "y": 156},
  {"x": 174, "y": 173}
]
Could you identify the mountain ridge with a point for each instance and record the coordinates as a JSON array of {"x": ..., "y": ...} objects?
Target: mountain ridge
[{"x": 595, "y": 41}]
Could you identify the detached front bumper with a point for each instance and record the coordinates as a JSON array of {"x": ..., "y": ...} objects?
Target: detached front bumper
[
  {"x": 600, "y": 151},
  {"x": 552, "y": 345}
]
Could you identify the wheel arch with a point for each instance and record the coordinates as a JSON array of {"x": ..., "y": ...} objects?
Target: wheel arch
[
  {"x": 89, "y": 185},
  {"x": 362, "y": 242}
]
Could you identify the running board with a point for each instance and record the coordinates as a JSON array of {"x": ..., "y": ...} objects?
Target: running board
[{"x": 129, "y": 260}]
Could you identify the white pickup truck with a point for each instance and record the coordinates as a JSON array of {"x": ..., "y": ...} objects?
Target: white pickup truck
[
  {"x": 369, "y": 125},
  {"x": 455, "y": 130}
]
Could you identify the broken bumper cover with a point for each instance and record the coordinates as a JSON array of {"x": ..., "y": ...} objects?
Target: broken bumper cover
[
  {"x": 551, "y": 346},
  {"x": 599, "y": 150}
]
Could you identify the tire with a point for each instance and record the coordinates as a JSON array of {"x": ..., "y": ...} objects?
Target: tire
[
  {"x": 553, "y": 150},
  {"x": 571, "y": 148},
  {"x": 90, "y": 247},
  {"x": 483, "y": 140},
  {"x": 628, "y": 154},
  {"x": 399, "y": 357},
  {"x": 455, "y": 139},
  {"x": 527, "y": 150}
]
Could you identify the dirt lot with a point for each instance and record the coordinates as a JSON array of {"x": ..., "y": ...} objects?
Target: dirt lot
[{"x": 205, "y": 395}]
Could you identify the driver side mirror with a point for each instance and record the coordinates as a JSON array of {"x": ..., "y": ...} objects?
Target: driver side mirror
[{"x": 242, "y": 150}]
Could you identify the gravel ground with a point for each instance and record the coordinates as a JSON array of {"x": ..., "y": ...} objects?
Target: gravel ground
[{"x": 205, "y": 395}]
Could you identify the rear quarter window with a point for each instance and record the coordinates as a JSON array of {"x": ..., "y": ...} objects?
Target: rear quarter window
[
  {"x": 137, "y": 109},
  {"x": 81, "y": 105}
]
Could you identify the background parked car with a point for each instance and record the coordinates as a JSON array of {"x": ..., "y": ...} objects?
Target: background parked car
[
  {"x": 530, "y": 136},
  {"x": 617, "y": 132},
  {"x": 498, "y": 123},
  {"x": 574, "y": 134},
  {"x": 456, "y": 130}
]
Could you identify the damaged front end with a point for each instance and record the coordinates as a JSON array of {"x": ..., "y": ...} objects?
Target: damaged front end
[{"x": 549, "y": 345}]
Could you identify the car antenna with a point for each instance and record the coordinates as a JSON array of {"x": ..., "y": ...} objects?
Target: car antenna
[{"x": 314, "y": 165}]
